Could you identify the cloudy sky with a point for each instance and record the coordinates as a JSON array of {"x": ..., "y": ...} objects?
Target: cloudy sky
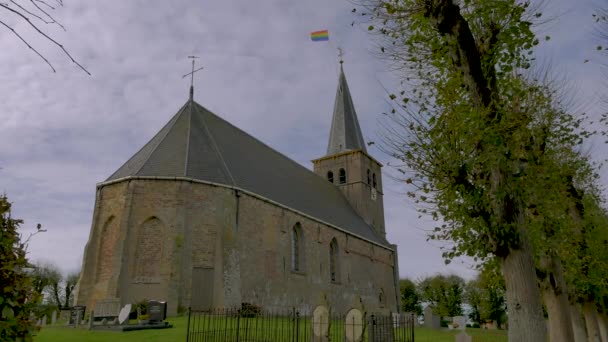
[{"x": 61, "y": 133}]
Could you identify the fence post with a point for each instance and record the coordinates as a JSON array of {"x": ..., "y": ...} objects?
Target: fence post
[
  {"x": 188, "y": 328},
  {"x": 297, "y": 326},
  {"x": 238, "y": 322}
]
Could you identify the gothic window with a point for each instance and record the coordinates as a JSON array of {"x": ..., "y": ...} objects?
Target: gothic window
[
  {"x": 330, "y": 176},
  {"x": 381, "y": 297},
  {"x": 297, "y": 244},
  {"x": 342, "y": 176},
  {"x": 149, "y": 251},
  {"x": 368, "y": 177},
  {"x": 374, "y": 180},
  {"x": 333, "y": 260},
  {"x": 107, "y": 246}
]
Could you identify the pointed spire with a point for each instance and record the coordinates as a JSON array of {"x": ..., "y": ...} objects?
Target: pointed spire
[{"x": 345, "y": 132}]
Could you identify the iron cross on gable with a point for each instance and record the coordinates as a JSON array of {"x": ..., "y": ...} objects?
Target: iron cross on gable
[{"x": 192, "y": 75}]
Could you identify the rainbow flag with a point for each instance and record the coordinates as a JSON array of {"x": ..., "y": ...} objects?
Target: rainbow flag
[{"x": 319, "y": 36}]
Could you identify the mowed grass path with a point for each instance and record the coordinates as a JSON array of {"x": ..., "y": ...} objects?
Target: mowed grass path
[{"x": 178, "y": 334}]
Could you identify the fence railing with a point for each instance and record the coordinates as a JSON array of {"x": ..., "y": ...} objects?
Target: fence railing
[{"x": 256, "y": 325}]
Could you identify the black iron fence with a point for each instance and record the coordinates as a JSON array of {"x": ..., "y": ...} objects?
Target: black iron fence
[{"x": 257, "y": 325}]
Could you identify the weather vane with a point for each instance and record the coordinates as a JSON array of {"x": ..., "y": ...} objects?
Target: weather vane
[
  {"x": 192, "y": 75},
  {"x": 341, "y": 54}
]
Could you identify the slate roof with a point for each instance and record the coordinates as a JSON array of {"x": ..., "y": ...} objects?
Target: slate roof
[
  {"x": 198, "y": 144},
  {"x": 345, "y": 132}
]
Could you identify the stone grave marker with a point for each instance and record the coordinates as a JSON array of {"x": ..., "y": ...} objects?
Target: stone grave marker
[
  {"x": 123, "y": 315},
  {"x": 157, "y": 311},
  {"x": 91, "y": 320},
  {"x": 107, "y": 309},
  {"x": 76, "y": 314},
  {"x": 463, "y": 337},
  {"x": 43, "y": 323},
  {"x": 430, "y": 319},
  {"x": 460, "y": 321},
  {"x": 353, "y": 325},
  {"x": 320, "y": 321},
  {"x": 54, "y": 317}
]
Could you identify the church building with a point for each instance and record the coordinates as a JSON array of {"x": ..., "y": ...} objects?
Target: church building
[{"x": 207, "y": 216}]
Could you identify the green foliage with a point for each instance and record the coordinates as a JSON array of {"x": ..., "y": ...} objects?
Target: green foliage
[
  {"x": 410, "y": 299},
  {"x": 443, "y": 293},
  {"x": 486, "y": 295},
  {"x": 17, "y": 299}
]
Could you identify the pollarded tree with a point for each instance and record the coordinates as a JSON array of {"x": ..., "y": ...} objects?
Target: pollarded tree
[{"x": 472, "y": 132}]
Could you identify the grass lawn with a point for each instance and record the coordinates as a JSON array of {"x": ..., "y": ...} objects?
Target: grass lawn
[{"x": 178, "y": 334}]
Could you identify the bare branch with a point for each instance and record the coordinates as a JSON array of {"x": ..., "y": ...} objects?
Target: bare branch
[
  {"x": 44, "y": 35},
  {"x": 46, "y": 13},
  {"x": 28, "y": 45},
  {"x": 52, "y": 20}
]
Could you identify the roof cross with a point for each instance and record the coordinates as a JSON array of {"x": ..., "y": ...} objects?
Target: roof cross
[{"x": 192, "y": 75}]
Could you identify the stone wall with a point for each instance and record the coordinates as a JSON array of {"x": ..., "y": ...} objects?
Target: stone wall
[{"x": 149, "y": 236}]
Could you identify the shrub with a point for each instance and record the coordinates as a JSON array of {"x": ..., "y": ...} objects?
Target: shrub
[
  {"x": 444, "y": 324},
  {"x": 475, "y": 325},
  {"x": 250, "y": 310}
]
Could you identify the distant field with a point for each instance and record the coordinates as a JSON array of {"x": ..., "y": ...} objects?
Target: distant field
[{"x": 178, "y": 334}]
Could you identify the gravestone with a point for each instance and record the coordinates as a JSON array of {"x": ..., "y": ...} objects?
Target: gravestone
[
  {"x": 107, "y": 309},
  {"x": 123, "y": 315},
  {"x": 320, "y": 322},
  {"x": 463, "y": 337},
  {"x": 430, "y": 319},
  {"x": 54, "y": 317},
  {"x": 76, "y": 314},
  {"x": 43, "y": 323},
  {"x": 460, "y": 322},
  {"x": 157, "y": 311},
  {"x": 353, "y": 325}
]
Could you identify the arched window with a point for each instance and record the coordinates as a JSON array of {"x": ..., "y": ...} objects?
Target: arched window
[
  {"x": 381, "y": 297},
  {"x": 149, "y": 251},
  {"x": 297, "y": 244},
  {"x": 333, "y": 260},
  {"x": 368, "y": 178},
  {"x": 342, "y": 176},
  {"x": 374, "y": 180},
  {"x": 330, "y": 176}
]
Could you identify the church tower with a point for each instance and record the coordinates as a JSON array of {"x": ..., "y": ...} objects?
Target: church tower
[{"x": 348, "y": 165}]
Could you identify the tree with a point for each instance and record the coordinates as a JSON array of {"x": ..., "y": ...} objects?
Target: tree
[
  {"x": 62, "y": 289},
  {"x": 410, "y": 300},
  {"x": 34, "y": 13},
  {"x": 17, "y": 297},
  {"x": 477, "y": 137},
  {"x": 44, "y": 276},
  {"x": 443, "y": 293}
]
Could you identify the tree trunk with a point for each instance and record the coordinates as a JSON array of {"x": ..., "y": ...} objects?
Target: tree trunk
[
  {"x": 556, "y": 300},
  {"x": 602, "y": 321},
  {"x": 526, "y": 322},
  {"x": 578, "y": 324},
  {"x": 593, "y": 333}
]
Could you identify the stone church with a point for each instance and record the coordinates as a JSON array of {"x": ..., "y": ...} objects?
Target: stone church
[{"x": 207, "y": 216}]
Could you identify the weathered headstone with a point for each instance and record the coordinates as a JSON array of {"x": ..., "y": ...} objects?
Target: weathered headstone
[
  {"x": 430, "y": 319},
  {"x": 76, "y": 314},
  {"x": 43, "y": 323},
  {"x": 107, "y": 308},
  {"x": 463, "y": 337},
  {"x": 123, "y": 315},
  {"x": 157, "y": 311},
  {"x": 460, "y": 322},
  {"x": 353, "y": 325},
  {"x": 54, "y": 317},
  {"x": 320, "y": 322}
]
